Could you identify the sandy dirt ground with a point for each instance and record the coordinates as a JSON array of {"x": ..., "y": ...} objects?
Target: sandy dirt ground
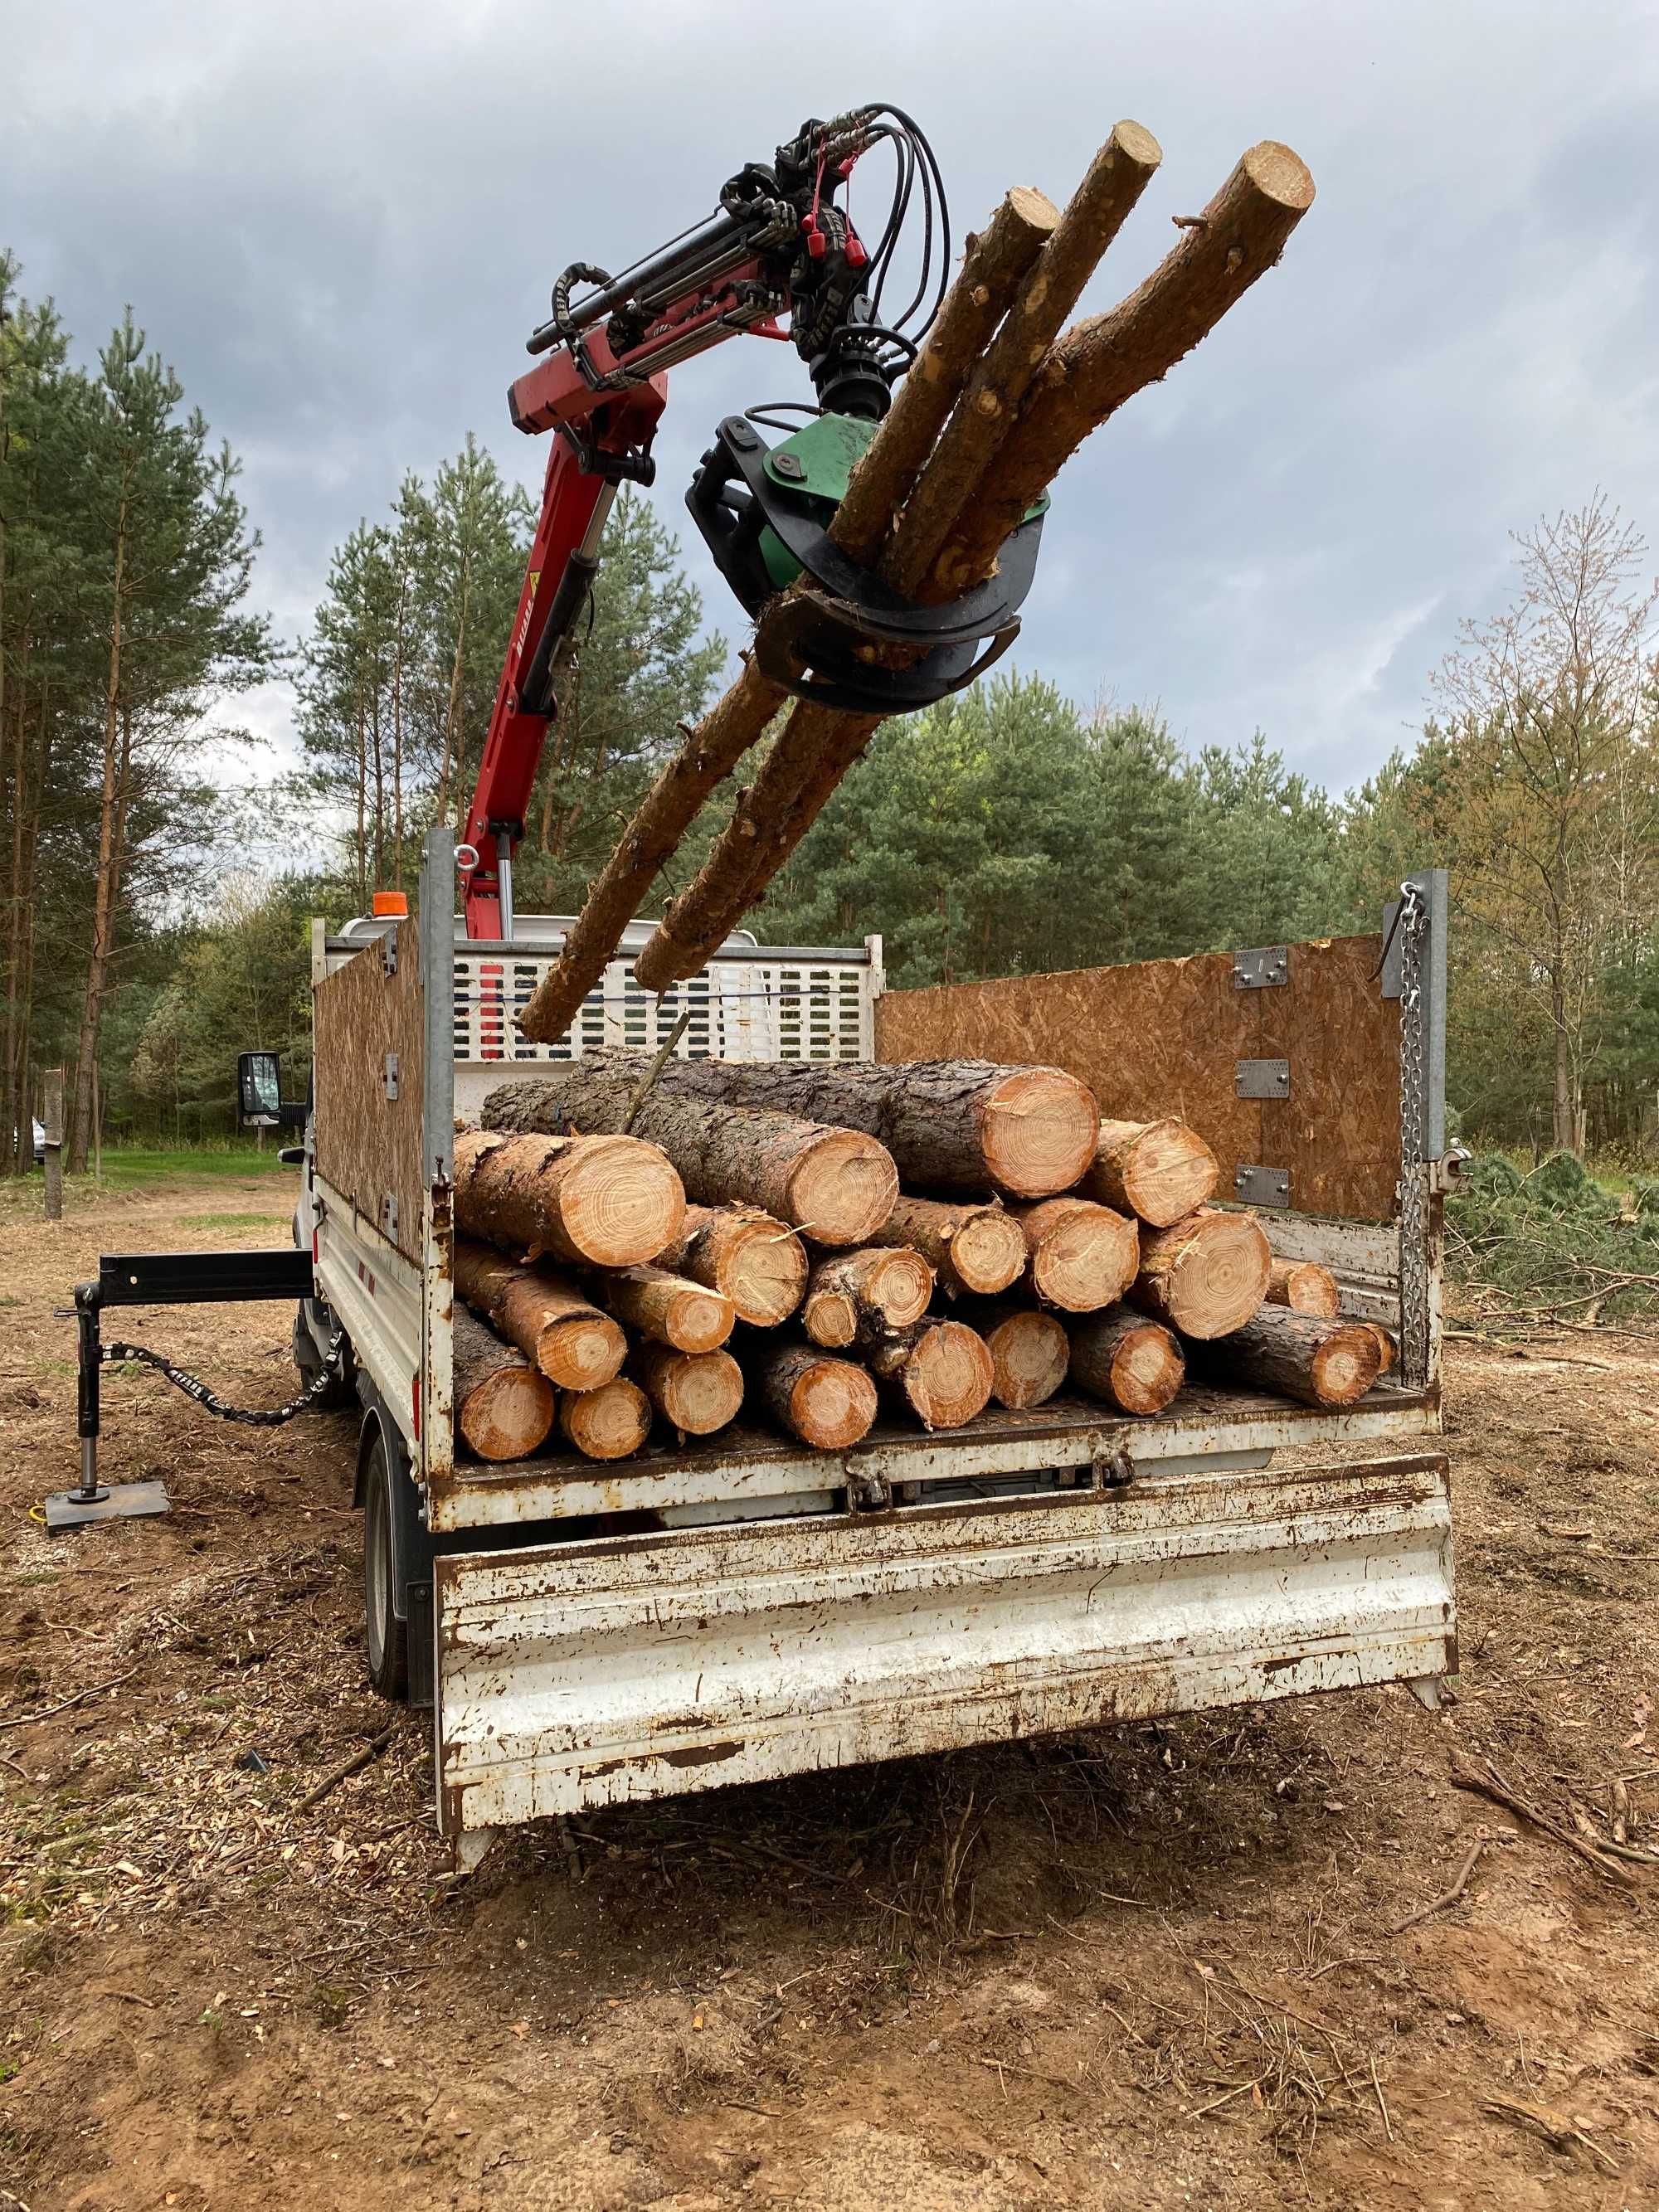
[{"x": 1168, "y": 1965}]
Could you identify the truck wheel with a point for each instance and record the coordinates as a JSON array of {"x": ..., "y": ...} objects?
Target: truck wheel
[
  {"x": 309, "y": 1360},
  {"x": 385, "y": 1637}
]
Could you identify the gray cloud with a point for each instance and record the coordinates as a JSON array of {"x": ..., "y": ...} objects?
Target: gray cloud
[{"x": 340, "y": 222}]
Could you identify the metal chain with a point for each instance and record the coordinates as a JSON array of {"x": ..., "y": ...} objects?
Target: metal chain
[
  {"x": 253, "y": 1417},
  {"x": 1413, "y": 926}
]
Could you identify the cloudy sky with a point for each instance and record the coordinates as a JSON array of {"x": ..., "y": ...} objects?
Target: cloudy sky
[{"x": 339, "y": 220}]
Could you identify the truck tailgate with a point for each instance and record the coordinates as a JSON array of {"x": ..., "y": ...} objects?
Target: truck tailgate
[{"x": 578, "y": 1674}]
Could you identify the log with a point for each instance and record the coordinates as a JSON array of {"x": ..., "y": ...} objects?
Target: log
[
  {"x": 1204, "y": 1276},
  {"x": 822, "y": 1401},
  {"x": 503, "y": 1407},
  {"x": 1388, "y": 1349},
  {"x": 747, "y": 1256},
  {"x": 836, "y": 1185},
  {"x": 949, "y": 1124},
  {"x": 557, "y": 1326},
  {"x": 686, "y": 1316},
  {"x": 1083, "y": 1255},
  {"x": 608, "y": 1199},
  {"x": 695, "y": 1392},
  {"x": 1029, "y": 1350},
  {"x": 975, "y": 1251},
  {"x": 1305, "y": 1287},
  {"x": 1160, "y": 1171},
  {"x": 1126, "y": 1360},
  {"x": 992, "y": 268},
  {"x": 887, "y": 1286},
  {"x": 608, "y": 1423},
  {"x": 941, "y": 1369},
  {"x": 1321, "y": 1363}
]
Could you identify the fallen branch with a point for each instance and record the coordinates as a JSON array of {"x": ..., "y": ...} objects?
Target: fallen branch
[
  {"x": 1558, "y": 2130},
  {"x": 355, "y": 1764},
  {"x": 27, "y": 1720},
  {"x": 1447, "y": 1897},
  {"x": 1465, "y": 1775}
]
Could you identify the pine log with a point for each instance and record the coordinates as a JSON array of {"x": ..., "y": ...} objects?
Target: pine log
[
  {"x": 1103, "y": 362},
  {"x": 747, "y": 1256},
  {"x": 1305, "y": 1287},
  {"x": 1204, "y": 1276},
  {"x": 836, "y": 1185},
  {"x": 1092, "y": 371},
  {"x": 975, "y": 1251},
  {"x": 610, "y": 1199},
  {"x": 1321, "y": 1363},
  {"x": 942, "y": 1369},
  {"x": 1028, "y": 1351},
  {"x": 557, "y": 1326},
  {"x": 949, "y": 1124},
  {"x": 1159, "y": 1171},
  {"x": 992, "y": 268},
  {"x": 503, "y": 1407},
  {"x": 823, "y": 1401},
  {"x": 1083, "y": 1255},
  {"x": 667, "y": 1309},
  {"x": 608, "y": 1423},
  {"x": 1126, "y": 1360},
  {"x": 695, "y": 1392},
  {"x": 887, "y": 1286},
  {"x": 1387, "y": 1350}
]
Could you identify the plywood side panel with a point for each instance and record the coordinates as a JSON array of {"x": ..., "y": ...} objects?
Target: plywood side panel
[
  {"x": 1338, "y": 1133},
  {"x": 368, "y": 1146}
]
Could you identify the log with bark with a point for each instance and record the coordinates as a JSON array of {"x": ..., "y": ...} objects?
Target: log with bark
[
  {"x": 836, "y": 1185},
  {"x": 823, "y": 1401},
  {"x": 886, "y": 1285},
  {"x": 1321, "y": 1363},
  {"x": 609, "y": 1423},
  {"x": 1126, "y": 1360},
  {"x": 608, "y": 1200},
  {"x": 695, "y": 1392},
  {"x": 949, "y": 1124},
  {"x": 1028, "y": 1351},
  {"x": 1206, "y": 1275},
  {"x": 1305, "y": 1287},
  {"x": 941, "y": 1369},
  {"x": 1388, "y": 1349},
  {"x": 554, "y": 1323},
  {"x": 747, "y": 1256},
  {"x": 503, "y": 1408},
  {"x": 1159, "y": 1171},
  {"x": 975, "y": 1251},
  {"x": 1083, "y": 1255},
  {"x": 666, "y": 1309}
]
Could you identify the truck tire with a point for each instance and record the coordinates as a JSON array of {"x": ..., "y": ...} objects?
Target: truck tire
[
  {"x": 341, "y": 1390},
  {"x": 386, "y": 1638}
]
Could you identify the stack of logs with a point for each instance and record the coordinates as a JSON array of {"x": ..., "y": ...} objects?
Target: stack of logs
[{"x": 638, "y": 1243}]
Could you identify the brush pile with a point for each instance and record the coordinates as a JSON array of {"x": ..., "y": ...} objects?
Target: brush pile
[{"x": 819, "y": 1242}]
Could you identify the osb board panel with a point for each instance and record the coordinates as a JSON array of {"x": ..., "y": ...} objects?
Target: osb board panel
[
  {"x": 369, "y": 1146},
  {"x": 1165, "y": 1036}
]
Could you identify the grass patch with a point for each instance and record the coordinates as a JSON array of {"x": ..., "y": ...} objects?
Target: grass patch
[
  {"x": 1554, "y": 1242},
  {"x": 234, "y": 1221}
]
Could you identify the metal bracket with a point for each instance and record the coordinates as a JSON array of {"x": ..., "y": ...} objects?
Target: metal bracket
[
  {"x": 1111, "y": 1470},
  {"x": 1448, "y": 1173},
  {"x": 391, "y": 1075},
  {"x": 1255, "y": 1186},
  {"x": 389, "y": 1218},
  {"x": 1263, "y": 1079},
  {"x": 868, "y": 1490},
  {"x": 1259, "y": 970},
  {"x": 389, "y": 951}
]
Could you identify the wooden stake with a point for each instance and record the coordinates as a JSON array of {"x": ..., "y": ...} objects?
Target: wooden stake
[{"x": 51, "y": 1120}]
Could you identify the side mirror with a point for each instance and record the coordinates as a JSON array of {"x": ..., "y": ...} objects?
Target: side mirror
[{"x": 260, "y": 1089}]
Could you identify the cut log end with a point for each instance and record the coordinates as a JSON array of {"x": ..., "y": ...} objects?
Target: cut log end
[
  {"x": 988, "y": 1253},
  {"x": 1134, "y": 140},
  {"x": 843, "y": 1189},
  {"x": 698, "y": 1392},
  {"x": 761, "y": 1265},
  {"x": 1039, "y": 1128},
  {"x": 831, "y": 1318},
  {"x": 1279, "y": 176},
  {"x": 1126, "y": 1361},
  {"x": 1160, "y": 1171},
  {"x": 620, "y": 1201},
  {"x": 1306, "y": 1288},
  {"x": 1206, "y": 1276},
  {"x": 887, "y": 1284},
  {"x": 948, "y": 1375},
  {"x": 582, "y": 1351},
  {"x": 668, "y": 1309},
  {"x": 1083, "y": 1256},
  {"x": 1346, "y": 1365},
  {"x": 609, "y": 1423},
  {"x": 829, "y": 1403},
  {"x": 1030, "y": 1353},
  {"x": 508, "y": 1415},
  {"x": 1319, "y": 1362}
]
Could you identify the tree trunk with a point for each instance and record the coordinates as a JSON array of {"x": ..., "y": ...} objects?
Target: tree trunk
[
  {"x": 827, "y": 1402},
  {"x": 1029, "y": 1352},
  {"x": 1204, "y": 1276},
  {"x": 696, "y": 1393},
  {"x": 103, "y": 910},
  {"x": 569, "y": 1339},
  {"x": 685, "y": 1317},
  {"x": 1305, "y": 1287},
  {"x": 941, "y": 1369},
  {"x": 609, "y": 1423},
  {"x": 949, "y": 1124},
  {"x": 608, "y": 1200},
  {"x": 1319, "y": 1362},
  {"x": 503, "y": 1407},
  {"x": 1566, "y": 1119},
  {"x": 975, "y": 1251},
  {"x": 836, "y": 1185},
  {"x": 1160, "y": 1171},
  {"x": 1126, "y": 1361},
  {"x": 884, "y": 1287},
  {"x": 749, "y": 1257},
  {"x": 1083, "y": 1255}
]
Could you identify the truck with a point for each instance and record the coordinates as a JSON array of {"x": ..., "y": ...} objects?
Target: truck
[{"x": 740, "y": 1606}]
